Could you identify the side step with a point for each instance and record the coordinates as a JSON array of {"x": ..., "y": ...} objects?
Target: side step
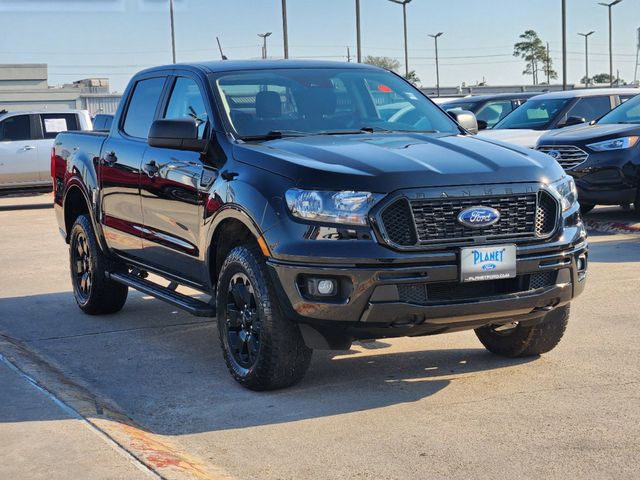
[{"x": 184, "y": 302}]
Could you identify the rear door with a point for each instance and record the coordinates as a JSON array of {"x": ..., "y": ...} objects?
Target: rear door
[
  {"x": 120, "y": 162},
  {"x": 18, "y": 152},
  {"x": 48, "y": 125},
  {"x": 171, "y": 198},
  {"x": 589, "y": 108}
]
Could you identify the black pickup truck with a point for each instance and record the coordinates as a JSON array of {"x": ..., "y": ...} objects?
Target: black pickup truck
[{"x": 313, "y": 204}]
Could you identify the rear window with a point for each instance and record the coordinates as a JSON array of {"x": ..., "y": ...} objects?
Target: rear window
[
  {"x": 15, "y": 128},
  {"x": 142, "y": 107},
  {"x": 54, "y": 123}
]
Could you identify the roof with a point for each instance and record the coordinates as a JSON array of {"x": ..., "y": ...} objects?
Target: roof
[
  {"x": 588, "y": 92},
  {"x": 492, "y": 96},
  {"x": 240, "y": 65},
  {"x": 55, "y": 111}
]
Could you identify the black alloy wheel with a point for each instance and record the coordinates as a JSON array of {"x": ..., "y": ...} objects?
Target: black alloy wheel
[{"x": 81, "y": 265}]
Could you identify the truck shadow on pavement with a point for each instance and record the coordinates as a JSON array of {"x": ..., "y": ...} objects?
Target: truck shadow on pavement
[
  {"x": 607, "y": 248},
  {"x": 164, "y": 369}
]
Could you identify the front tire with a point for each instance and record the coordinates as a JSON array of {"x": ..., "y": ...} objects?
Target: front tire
[
  {"x": 263, "y": 349},
  {"x": 95, "y": 294},
  {"x": 526, "y": 341}
]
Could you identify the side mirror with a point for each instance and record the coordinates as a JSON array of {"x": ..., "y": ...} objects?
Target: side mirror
[
  {"x": 482, "y": 125},
  {"x": 177, "y": 134},
  {"x": 574, "y": 121},
  {"x": 465, "y": 119}
]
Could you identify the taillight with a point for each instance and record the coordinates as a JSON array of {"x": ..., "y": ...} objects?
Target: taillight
[{"x": 53, "y": 168}]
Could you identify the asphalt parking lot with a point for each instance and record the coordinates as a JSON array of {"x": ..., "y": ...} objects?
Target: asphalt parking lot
[{"x": 145, "y": 392}]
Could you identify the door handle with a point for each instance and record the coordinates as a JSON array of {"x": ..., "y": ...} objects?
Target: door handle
[
  {"x": 109, "y": 159},
  {"x": 151, "y": 169},
  {"x": 28, "y": 147}
]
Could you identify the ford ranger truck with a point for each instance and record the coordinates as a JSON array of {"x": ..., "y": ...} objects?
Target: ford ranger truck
[{"x": 314, "y": 204}]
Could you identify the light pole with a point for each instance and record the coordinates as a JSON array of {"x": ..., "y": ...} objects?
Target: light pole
[
  {"x": 358, "y": 38},
  {"x": 609, "y": 6},
  {"x": 586, "y": 54},
  {"x": 173, "y": 32},
  {"x": 285, "y": 30},
  {"x": 435, "y": 39},
  {"x": 564, "y": 45},
  {"x": 264, "y": 43},
  {"x": 406, "y": 48}
]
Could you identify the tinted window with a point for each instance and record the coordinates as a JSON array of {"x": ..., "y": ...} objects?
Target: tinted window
[
  {"x": 326, "y": 101},
  {"x": 628, "y": 112},
  {"x": 493, "y": 112},
  {"x": 186, "y": 102},
  {"x": 102, "y": 122},
  {"x": 534, "y": 114},
  {"x": 15, "y": 128},
  {"x": 142, "y": 107},
  {"x": 589, "y": 108},
  {"x": 54, "y": 123}
]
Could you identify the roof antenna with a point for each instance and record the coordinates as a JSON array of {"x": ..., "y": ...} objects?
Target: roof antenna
[{"x": 224, "y": 57}]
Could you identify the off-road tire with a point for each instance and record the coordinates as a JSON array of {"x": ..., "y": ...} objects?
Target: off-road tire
[
  {"x": 282, "y": 358},
  {"x": 525, "y": 341},
  {"x": 101, "y": 295},
  {"x": 586, "y": 208}
]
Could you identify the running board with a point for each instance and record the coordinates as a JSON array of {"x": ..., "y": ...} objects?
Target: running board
[{"x": 194, "y": 306}]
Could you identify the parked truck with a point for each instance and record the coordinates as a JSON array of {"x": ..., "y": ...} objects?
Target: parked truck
[{"x": 308, "y": 215}]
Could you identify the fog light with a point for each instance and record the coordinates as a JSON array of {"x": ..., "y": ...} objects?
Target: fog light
[
  {"x": 322, "y": 287},
  {"x": 582, "y": 263},
  {"x": 326, "y": 287}
]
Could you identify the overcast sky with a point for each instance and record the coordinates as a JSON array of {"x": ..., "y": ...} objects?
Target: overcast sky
[{"x": 116, "y": 38}]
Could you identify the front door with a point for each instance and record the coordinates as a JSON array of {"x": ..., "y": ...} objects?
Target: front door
[
  {"x": 18, "y": 152},
  {"x": 120, "y": 167},
  {"x": 172, "y": 203}
]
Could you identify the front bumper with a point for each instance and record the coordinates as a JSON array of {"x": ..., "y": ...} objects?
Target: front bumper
[{"x": 375, "y": 307}]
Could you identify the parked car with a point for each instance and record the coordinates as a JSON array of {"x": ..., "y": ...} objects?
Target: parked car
[
  {"x": 555, "y": 110},
  {"x": 278, "y": 189},
  {"x": 603, "y": 157},
  {"x": 102, "y": 121},
  {"x": 26, "y": 139},
  {"x": 489, "y": 109}
]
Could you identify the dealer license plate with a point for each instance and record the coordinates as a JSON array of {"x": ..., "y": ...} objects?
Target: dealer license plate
[{"x": 487, "y": 263}]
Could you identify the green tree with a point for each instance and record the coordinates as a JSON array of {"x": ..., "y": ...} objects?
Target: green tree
[
  {"x": 413, "y": 77},
  {"x": 531, "y": 49},
  {"x": 603, "y": 78},
  {"x": 383, "y": 62}
]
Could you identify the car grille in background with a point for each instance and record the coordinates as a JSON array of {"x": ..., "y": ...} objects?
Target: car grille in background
[
  {"x": 423, "y": 222},
  {"x": 568, "y": 156},
  {"x": 423, "y": 293}
]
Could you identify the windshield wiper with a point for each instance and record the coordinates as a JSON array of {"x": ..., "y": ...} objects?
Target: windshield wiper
[
  {"x": 389, "y": 130},
  {"x": 276, "y": 134}
]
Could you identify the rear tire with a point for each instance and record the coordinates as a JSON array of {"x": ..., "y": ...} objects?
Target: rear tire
[
  {"x": 586, "y": 208},
  {"x": 95, "y": 294},
  {"x": 525, "y": 341},
  {"x": 263, "y": 349}
]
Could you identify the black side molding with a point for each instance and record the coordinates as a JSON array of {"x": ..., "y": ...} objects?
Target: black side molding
[{"x": 194, "y": 306}]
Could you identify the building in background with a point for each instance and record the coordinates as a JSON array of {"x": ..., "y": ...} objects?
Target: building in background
[{"x": 26, "y": 87}]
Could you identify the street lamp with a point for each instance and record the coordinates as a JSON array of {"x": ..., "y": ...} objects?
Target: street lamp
[
  {"x": 609, "y": 5},
  {"x": 406, "y": 49},
  {"x": 586, "y": 54},
  {"x": 285, "y": 30},
  {"x": 358, "y": 38},
  {"x": 435, "y": 39},
  {"x": 264, "y": 43},
  {"x": 173, "y": 32}
]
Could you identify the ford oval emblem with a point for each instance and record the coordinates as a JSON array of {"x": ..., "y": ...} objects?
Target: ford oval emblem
[
  {"x": 554, "y": 154},
  {"x": 479, "y": 217}
]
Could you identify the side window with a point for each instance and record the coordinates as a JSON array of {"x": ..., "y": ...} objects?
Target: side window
[
  {"x": 590, "y": 108},
  {"x": 142, "y": 107},
  {"x": 15, "y": 128},
  {"x": 54, "y": 123},
  {"x": 186, "y": 102},
  {"x": 493, "y": 112},
  {"x": 624, "y": 98}
]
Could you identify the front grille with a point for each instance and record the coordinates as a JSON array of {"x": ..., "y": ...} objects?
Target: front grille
[
  {"x": 568, "y": 156},
  {"x": 424, "y": 293},
  {"x": 423, "y": 222}
]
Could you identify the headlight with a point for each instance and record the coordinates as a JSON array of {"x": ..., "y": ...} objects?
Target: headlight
[
  {"x": 614, "y": 144},
  {"x": 566, "y": 191},
  {"x": 331, "y": 207}
]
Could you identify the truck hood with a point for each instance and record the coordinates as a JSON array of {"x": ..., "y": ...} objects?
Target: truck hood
[
  {"x": 522, "y": 137},
  {"x": 386, "y": 162},
  {"x": 589, "y": 133}
]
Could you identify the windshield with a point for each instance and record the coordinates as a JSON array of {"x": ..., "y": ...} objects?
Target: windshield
[
  {"x": 534, "y": 114},
  {"x": 470, "y": 106},
  {"x": 261, "y": 103},
  {"x": 628, "y": 112}
]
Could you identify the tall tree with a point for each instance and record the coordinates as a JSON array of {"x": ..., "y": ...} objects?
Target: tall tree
[
  {"x": 413, "y": 77},
  {"x": 531, "y": 49},
  {"x": 384, "y": 62}
]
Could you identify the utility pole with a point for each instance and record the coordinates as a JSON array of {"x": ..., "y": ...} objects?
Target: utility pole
[
  {"x": 285, "y": 29},
  {"x": 609, "y": 6},
  {"x": 264, "y": 43},
  {"x": 222, "y": 55},
  {"x": 548, "y": 63},
  {"x": 435, "y": 39},
  {"x": 635, "y": 73},
  {"x": 348, "y": 55},
  {"x": 406, "y": 45},
  {"x": 586, "y": 55},
  {"x": 358, "y": 38},
  {"x": 173, "y": 32},
  {"x": 564, "y": 44}
]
